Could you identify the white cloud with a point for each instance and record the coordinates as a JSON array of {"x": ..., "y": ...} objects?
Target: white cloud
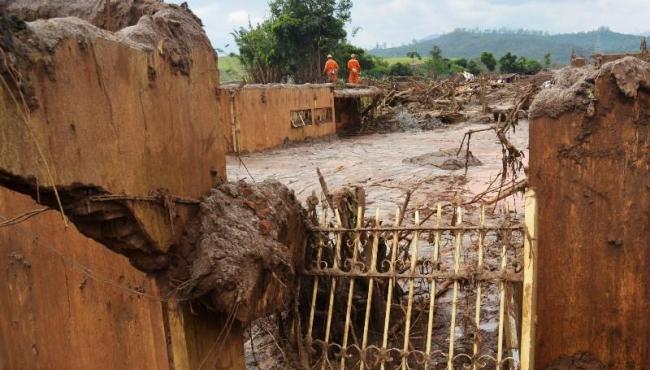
[
  {"x": 400, "y": 21},
  {"x": 241, "y": 18}
]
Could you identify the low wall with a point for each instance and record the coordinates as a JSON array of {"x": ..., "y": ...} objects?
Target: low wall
[
  {"x": 590, "y": 165},
  {"x": 258, "y": 117}
]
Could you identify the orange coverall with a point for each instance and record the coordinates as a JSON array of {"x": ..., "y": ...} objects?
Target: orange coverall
[
  {"x": 332, "y": 70},
  {"x": 355, "y": 71}
]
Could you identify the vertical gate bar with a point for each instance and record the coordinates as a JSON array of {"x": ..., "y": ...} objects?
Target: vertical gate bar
[
  {"x": 371, "y": 282},
  {"x": 530, "y": 283},
  {"x": 391, "y": 283},
  {"x": 335, "y": 266},
  {"x": 357, "y": 245},
  {"x": 409, "y": 308},
  {"x": 314, "y": 293},
  {"x": 477, "y": 316},
  {"x": 454, "y": 299},
  {"x": 502, "y": 298},
  {"x": 432, "y": 293}
]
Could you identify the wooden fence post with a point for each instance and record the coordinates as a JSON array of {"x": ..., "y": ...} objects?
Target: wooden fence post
[{"x": 530, "y": 283}]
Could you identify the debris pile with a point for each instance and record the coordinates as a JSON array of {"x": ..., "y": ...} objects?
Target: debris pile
[{"x": 421, "y": 104}]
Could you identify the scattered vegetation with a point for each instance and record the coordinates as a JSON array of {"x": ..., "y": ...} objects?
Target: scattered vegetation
[
  {"x": 510, "y": 63},
  {"x": 529, "y": 44}
]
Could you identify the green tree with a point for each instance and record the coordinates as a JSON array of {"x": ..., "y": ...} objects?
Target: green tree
[
  {"x": 455, "y": 68},
  {"x": 462, "y": 62},
  {"x": 532, "y": 66},
  {"x": 473, "y": 67},
  {"x": 547, "y": 60},
  {"x": 436, "y": 65},
  {"x": 436, "y": 52},
  {"x": 413, "y": 55},
  {"x": 488, "y": 60},
  {"x": 400, "y": 69},
  {"x": 259, "y": 55},
  {"x": 295, "y": 39},
  {"x": 508, "y": 63}
]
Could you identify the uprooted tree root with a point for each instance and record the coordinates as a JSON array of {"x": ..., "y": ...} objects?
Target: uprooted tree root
[
  {"x": 512, "y": 157},
  {"x": 243, "y": 250}
]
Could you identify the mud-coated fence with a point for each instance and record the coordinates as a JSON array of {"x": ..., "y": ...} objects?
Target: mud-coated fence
[{"x": 441, "y": 290}]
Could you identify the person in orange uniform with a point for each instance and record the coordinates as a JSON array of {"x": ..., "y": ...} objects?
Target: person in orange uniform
[
  {"x": 355, "y": 70},
  {"x": 331, "y": 69}
]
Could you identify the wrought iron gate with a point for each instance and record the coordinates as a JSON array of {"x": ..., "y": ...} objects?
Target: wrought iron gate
[{"x": 434, "y": 292}]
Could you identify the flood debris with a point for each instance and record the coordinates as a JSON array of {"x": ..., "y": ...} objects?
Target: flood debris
[
  {"x": 243, "y": 251},
  {"x": 419, "y": 104}
]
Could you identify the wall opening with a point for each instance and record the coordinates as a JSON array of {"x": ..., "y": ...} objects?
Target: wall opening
[
  {"x": 301, "y": 118},
  {"x": 323, "y": 115}
]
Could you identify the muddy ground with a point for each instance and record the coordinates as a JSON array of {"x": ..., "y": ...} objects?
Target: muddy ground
[{"x": 386, "y": 165}]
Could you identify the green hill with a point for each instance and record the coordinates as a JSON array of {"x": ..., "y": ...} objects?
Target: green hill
[{"x": 530, "y": 44}]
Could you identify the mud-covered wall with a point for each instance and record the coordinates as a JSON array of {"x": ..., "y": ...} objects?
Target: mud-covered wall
[
  {"x": 590, "y": 167},
  {"x": 118, "y": 111},
  {"x": 261, "y": 114},
  {"x": 68, "y": 302},
  {"x": 54, "y": 315},
  {"x": 119, "y": 120}
]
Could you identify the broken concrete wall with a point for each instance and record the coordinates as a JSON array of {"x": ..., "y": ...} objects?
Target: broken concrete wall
[
  {"x": 589, "y": 164},
  {"x": 261, "y": 115}
]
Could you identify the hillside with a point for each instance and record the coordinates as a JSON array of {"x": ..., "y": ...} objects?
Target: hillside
[{"x": 531, "y": 44}]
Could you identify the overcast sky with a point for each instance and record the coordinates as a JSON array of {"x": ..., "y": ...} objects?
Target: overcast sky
[{"x": 395, "y": 22}]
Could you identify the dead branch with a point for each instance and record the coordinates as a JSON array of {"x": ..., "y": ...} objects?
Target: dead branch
[{"x": 326, "y": 192}]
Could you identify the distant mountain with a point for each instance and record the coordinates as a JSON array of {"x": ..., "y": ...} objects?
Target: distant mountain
[
  {"x": 431, "y": 37},
  {"x": 531, "y": 44}
]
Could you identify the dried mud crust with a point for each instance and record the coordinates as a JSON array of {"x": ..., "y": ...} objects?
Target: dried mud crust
[
  {"x": 574, "y": 88},
  {"x": 244, "y": 249},
  {"x": 16, "y": 42},
  {"x": 32, "y": 29}
]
